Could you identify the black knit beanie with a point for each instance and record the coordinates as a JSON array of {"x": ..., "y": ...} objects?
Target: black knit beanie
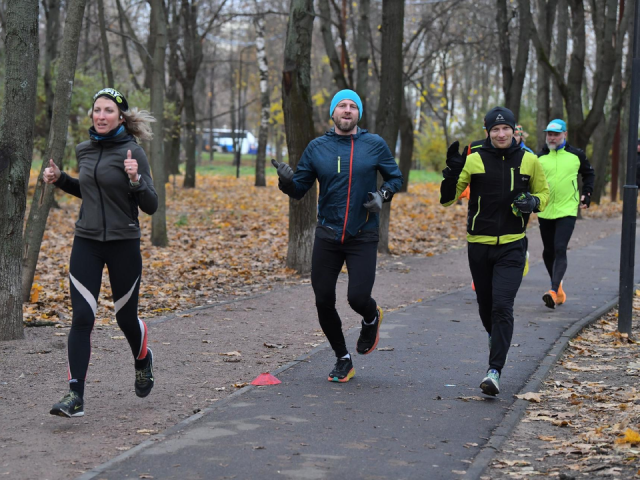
[{"x": 499, "y": 116}]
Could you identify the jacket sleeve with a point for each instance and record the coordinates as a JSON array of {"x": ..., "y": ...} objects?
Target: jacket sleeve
[
  {"x": 453, "y": 185},
  {"x": 587, "y": 173},
  {"x": 69, "y": 185},
  {"x": 538, "y": 185},
  {"x": 145, "y": 194},
  {"x": 389, "y": 170},
  {"x": 304, "y": 177}
]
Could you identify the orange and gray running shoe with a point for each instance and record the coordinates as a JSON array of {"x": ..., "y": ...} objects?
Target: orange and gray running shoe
[
  {"x": 550, "y": 299},
  {"x": 561, "y": 296}
]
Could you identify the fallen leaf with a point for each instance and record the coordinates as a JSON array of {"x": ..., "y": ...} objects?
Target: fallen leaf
[
  {"x": 274, "y": 345},
  {"x": 530, "y": 396},
  {"x": 231, "y": 354}
]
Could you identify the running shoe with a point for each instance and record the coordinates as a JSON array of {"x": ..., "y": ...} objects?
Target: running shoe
[
  {"x": 491, "y": 383},
  {"x": 369, "y": 335},
  {"x": 561, "y": 297},
  {"x": 550, "y": 299},
  {"x": 144, "y": 377},
  {"x": 343, "y": 371},
  {"x": 71, "y": 405}
]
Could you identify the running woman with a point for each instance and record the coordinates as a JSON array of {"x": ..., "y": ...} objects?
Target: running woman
[
  {"x": 114, "y": 181},
  {"x": 561, "y": 163},
  {"x": 507, "y": 185},
  {"x": 346, "y": 161}
]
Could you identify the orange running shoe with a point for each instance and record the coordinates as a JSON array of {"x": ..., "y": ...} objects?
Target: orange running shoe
[
  {"x": 550, "y": 299},
  {"x": 561, "y": 296}
]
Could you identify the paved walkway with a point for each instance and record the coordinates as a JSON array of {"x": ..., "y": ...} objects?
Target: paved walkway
[{"x": 413, "y": 410}]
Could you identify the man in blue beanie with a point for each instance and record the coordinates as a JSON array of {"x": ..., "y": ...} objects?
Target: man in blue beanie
[{"x": 345, "y": 161}]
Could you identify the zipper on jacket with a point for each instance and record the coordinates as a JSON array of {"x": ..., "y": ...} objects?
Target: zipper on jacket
[
  {"x": 338, "y": 164},
  {"x": 95, "y": 177},
  {"x": 499, "y": 222},
  {"x": 575, "y": 191},
  {"x": 512, "y": 169},
  {"x": 473, "y": 223},
  {"x": 346, "y": 214}
]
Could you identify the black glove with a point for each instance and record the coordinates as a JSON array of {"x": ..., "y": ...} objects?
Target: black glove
[
  {"x": 374, "y": 205},
  {"x": 526, "y": 202},
  {"x": 455, "y": 161},
  {"x": 285, "y": 173},
  {"x": 586, "y": 200}
]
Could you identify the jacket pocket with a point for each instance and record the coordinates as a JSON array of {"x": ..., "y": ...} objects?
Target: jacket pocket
[
  {"x": 575, "y": 191},
  {"x": 325, "y": 233}
]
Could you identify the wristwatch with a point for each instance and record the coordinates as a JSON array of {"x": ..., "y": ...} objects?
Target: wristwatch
[
  {"x": 386, "y": 194},
  {"x": 136, "y": 183}
]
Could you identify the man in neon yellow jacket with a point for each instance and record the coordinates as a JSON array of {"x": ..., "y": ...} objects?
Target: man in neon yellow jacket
[
  {"x": 507, "y": 184},
  {"x": 561, "y": 163}
]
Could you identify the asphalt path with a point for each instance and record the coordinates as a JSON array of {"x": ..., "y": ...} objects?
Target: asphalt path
[{"x": 414, "y": 410}]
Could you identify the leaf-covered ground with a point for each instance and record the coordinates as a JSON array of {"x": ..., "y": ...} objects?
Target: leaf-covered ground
[
  {"x": 585, "y": 423},
  {"x": 227, "y": 238}
]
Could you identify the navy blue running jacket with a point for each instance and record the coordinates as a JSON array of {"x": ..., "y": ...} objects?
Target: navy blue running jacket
[{"x": 346, "y": 167}]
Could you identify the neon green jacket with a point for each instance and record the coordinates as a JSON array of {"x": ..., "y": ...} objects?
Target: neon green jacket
[
  {"x": 561, "y": 167},
  {"x": 496, "y": 178}
]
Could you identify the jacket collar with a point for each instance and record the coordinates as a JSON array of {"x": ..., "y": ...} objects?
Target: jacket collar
[{"x": 360, "y": 132}]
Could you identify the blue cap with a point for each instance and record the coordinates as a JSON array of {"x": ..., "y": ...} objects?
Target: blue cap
[
  {"x": 346, "y": 95},
  {"x": 556, "y": 125}
]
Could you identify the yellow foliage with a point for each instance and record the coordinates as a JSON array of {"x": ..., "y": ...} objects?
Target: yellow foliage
[
  {"x": 630, "y": 436},
  {"x": 430, "y": 147},
  {"x": 325, "y": 60}
]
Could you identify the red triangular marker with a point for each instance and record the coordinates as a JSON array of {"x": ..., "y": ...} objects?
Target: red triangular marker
[{"x": 265, "y": 379}]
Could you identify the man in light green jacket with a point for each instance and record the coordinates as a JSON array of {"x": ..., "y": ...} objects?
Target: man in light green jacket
[{"x": 561, "y": 163}]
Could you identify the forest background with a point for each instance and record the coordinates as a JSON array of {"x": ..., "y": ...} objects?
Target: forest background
[{"x": 427, "y": 72}]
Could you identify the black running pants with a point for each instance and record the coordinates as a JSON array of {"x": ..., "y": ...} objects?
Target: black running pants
[
  {"x": 88, "y": 258},
  {"x": 326, "y": 264},
  {"x": 555, "y": 240},
  {"x": 497, "y": 273}
]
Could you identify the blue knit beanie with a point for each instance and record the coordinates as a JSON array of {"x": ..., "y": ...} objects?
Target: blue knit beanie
[{"x": 346, "y": 95}]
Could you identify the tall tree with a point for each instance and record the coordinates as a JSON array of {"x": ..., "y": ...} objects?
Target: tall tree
[
  {"x": 513, "y": 77},
  {"x": 562, "y": 42},
  {"x": 106, "y": 54},
  {"x": 17, "y": 119},
  {"x": 265, "y": 101},
  {"x": 43, "y": 196},
  {"x": 362, "y": 59},
  {"x": 52, "y": 26},
  {"x": 406, "y": 143},
  {"x": 546, "y": 17},
  {"x": 192, "y": 55},
  {"x": 390, "y": 103},
  {"x": 159, "y": 220},
  {"x": 298, "y": 120}
]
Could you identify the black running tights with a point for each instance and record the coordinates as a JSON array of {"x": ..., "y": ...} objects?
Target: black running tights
[
  {"x": 88, "y": 258},
  {"x": 555, "y": 239},
  {"x": 326, "y": 264}
]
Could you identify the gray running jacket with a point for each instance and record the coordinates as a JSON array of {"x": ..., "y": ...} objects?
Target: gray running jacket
[{"x": 109, "y": 208}]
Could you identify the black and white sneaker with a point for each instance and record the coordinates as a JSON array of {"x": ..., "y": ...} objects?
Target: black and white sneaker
[
  {"x": 71, "y": 405},
  {"x": 369, "y": 335},
  {"x": 144, "y": 377},
  {"x": 343, "y": 371}
]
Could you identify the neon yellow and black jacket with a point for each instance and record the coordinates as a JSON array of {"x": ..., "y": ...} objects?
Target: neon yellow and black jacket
[
  {"x": 496, "y": 177},
  {"x": 561, "y": 167}
]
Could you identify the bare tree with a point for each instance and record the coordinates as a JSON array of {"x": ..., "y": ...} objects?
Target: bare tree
[
  {"x": 17, "y": 119},
  {"x": 106, "y": 54},
  {"x": 43, "y": 196},
  {"x": 265, "y": 101},
  {"x": 52, "y": 26},
  {"x": 390, "y": 103},
  {"x": 159, "y": 219},
  {"x": 546, "y": 18},
  {"x": 298, "y": 115},
  {"x": 513, "y": 77}
]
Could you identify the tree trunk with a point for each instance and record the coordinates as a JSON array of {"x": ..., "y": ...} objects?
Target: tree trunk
[
  {"x": 557, "y": 101},
  {"x": 105, "y": 44},
  {"x": 298, "y": 116},
  {"x": 330, "y": 47},
  {"x": 390, "y": 103},
  {"x": 362, "y": 59},
  {"x": 173, "y": 124},
  {"x": 125, "y": 48},
  {"x": 17, "y": 119},
  {"x": 190, "y": 136},
  {"x": 265, "y": 101},
  {"x": 43, "y": 196},
  {"x": 159, "y": 219},
  {"x": 513, "y": 79},
  {"x": 406, "y": 144},
  {"x": 52, "y": 14},
  {"x": 546, "y": 17}
]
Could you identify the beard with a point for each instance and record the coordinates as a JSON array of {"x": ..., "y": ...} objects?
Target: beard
[{"x": 344, "y": 124}]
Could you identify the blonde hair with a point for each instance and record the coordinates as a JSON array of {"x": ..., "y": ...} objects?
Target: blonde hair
[{"x": 138, "y": 123}]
